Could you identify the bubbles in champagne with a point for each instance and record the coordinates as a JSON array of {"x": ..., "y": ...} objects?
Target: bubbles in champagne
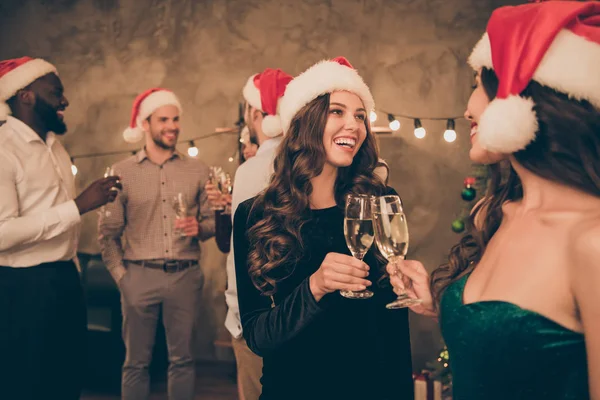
[{"x": 391, "y": 234}]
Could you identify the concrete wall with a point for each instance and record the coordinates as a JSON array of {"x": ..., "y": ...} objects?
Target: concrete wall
[{"x": 412, "y": 53}]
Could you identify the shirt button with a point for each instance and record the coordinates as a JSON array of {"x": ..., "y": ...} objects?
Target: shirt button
[
  {"x": 164, "y": 216},
  {"x": 163, "y": 183},
  {"x": 164, "y": 200},
  {"x": 167, "y": 251},
  {"x": 165, "y": 234}
]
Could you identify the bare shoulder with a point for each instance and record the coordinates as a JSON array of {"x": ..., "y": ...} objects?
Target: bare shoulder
[{"x": 585, "y": 241}]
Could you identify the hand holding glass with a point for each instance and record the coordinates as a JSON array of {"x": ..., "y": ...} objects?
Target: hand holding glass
[
  {"x": 180, "y": 207},
  {"x": 358, "y": 230},
  {"x": 391, "y": 236}
]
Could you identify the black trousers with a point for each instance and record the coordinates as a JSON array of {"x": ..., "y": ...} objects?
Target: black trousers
[{"x": 43, "y": 328}]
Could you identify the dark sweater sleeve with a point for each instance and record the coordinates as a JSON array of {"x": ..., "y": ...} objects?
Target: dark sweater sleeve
[{"x": 265, "y": 327}]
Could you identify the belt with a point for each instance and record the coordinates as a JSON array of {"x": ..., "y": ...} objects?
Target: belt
[{"x": 168, "y": 265}]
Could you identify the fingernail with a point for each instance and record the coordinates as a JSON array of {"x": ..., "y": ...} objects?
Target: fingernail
[{"x": 362, "y": 287}]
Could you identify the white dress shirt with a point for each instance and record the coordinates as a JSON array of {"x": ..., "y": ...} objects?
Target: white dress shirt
[
  {"x": 39, "y": 221},
  {"x": 251, "y": 178}
]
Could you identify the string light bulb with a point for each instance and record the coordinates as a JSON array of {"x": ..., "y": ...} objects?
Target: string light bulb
[
  {"x": 394, "y": 123},
  {"x": 373, "y": 116},
  {"x": 192, "y": 150},
  {"x": 450, "y": 133},
  {"x": 73, "y": 167},
  {"x": 230, "y": 159},
  {"x": 420, "y": 132}
]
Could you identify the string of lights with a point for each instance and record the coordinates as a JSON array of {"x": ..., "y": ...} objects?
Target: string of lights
[
  {"x": 393, "y": 120},
  {"x": 419, "y": 130},
  {"x": 192, "y": 150}
]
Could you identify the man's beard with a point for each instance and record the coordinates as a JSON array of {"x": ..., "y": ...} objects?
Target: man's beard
[
  {"x": 157, "y": 139},
  {"x": 49, "y": 116}
]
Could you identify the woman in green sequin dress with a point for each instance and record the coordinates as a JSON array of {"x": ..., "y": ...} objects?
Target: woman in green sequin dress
[{"x": 518, "y": 300}]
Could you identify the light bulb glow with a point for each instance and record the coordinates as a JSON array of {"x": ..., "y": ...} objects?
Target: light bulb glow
[
  {"x": 449, "y": 135},
  {"x": 193, "y": 151},
  {"x": 73, "y": 169},
  {"x": 230, "y": 159},
  {"x": 420, "y": 132},
  {"x": 373, "y": 116},
  {"x": 395, "y": 125}
]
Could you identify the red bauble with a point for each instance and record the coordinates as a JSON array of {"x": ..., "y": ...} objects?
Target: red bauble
[{"x": 469, "y": 181}]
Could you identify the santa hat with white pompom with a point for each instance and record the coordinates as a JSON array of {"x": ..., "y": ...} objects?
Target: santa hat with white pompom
[
  {"x": 263, "y": 92},
  {"x": 556, "y": 44},
  {"x": 143, "y": 106}
]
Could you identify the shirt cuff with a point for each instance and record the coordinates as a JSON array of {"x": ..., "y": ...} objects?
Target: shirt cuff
[{"x": 68, "y": 213}]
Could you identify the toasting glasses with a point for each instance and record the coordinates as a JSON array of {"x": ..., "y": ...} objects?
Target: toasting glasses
[{"x": 391, "y": 236}]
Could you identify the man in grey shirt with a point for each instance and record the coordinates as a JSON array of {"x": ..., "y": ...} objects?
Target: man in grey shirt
[{"x": 149, "y": 238}]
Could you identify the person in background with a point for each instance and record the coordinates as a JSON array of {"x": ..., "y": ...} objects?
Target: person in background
[
  {"x": 42, "y": 309},
  {"x": 262, "y": 94},
  {"x": 529, "y": 263},
  {"x": 163, "y": 214}
]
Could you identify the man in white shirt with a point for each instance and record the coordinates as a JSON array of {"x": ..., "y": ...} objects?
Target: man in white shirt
[
  {"x": 42, "y": 310},
  {"x": 262, "y": 93}
]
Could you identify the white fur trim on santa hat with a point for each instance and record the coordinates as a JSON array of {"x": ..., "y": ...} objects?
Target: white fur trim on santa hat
[
  {"x": 252, "y": 94},
  {"x": 271, "y": 125},
  {"x": 324, "y": 77},
  {"x": 133, "y": 135},
  {"x": 156, "y": 100},
  {"x": 507, "y": 125},
  {"x": 569, "y": 66},
  {"x": 20, "y": 77}
]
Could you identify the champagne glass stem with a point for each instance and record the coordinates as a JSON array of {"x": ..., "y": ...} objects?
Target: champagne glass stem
[{"x": 403, "y": 300}]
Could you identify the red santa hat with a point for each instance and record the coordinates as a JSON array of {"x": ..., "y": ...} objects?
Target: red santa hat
[
  {"x": 324, "y": 77},
  {"x": 143, "y": 106},
  {"x": 17, "y": 74},
  {"x": 263, "y": 92},
  {"x": 556, "y": 44}
]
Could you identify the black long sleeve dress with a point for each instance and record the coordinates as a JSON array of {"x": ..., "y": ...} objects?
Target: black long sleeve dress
[{"x": 336, "y": 348}]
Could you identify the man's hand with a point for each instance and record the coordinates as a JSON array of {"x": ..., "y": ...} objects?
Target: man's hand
[
  {"x": 98, "y": 194},
  {"x": 188, "y": 226}
]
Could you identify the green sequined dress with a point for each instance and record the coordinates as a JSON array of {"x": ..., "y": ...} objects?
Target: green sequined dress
[{"x": 501, "y": 351}]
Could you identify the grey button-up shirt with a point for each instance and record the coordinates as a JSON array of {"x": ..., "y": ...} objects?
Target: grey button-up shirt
[{"x": 140, "y": 223}]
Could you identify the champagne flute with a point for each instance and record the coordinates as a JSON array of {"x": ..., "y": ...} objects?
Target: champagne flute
[
  {"x": 358, "y": 230},
  {"x": 391, "y": 236},
  {"x": 216, "y": 178},
  {"x": 226, "y": 189},
  {"x": 180, "y": 207},
  {"x": 109, "y": 171}
]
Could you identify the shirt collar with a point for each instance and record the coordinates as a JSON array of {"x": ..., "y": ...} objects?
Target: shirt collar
[
  {"x": 269, "y": 144},
  {"x": 142, "y": 155},
  {"x": 25, "y": 131}
]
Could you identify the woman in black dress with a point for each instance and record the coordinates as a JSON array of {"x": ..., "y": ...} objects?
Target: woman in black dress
[{"x": 292, "y": 259}]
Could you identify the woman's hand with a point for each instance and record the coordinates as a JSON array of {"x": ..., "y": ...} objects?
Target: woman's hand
[
  {"x": 339, "y": 272},
  {"x": 414, "y": 281}
]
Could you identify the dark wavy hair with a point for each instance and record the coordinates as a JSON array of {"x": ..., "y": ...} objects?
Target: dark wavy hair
[
  {"x": 566, "y": 150},
  {"x": 276, "y": 240}
]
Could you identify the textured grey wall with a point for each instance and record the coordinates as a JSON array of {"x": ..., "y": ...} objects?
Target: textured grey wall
[{"x": 412, "y": 53}]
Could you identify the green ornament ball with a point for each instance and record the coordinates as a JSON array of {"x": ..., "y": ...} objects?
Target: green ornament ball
[
  {"x": 468, "y": 194},
  {"x": 458, "y": 226}
]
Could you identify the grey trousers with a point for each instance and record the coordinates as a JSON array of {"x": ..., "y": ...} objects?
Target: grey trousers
[{"x": 143, "y": 291}]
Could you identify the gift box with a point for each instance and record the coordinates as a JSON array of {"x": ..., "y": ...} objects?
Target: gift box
[{"x": 427, "y": 388}]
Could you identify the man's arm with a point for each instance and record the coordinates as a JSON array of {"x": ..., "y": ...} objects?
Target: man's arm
[{"x": 17, "y": 230}]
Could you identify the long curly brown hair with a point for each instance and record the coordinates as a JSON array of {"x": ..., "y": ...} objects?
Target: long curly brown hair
[
  {"x": 566, "y": 150},
  {"x": 276, "y": 240}
]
